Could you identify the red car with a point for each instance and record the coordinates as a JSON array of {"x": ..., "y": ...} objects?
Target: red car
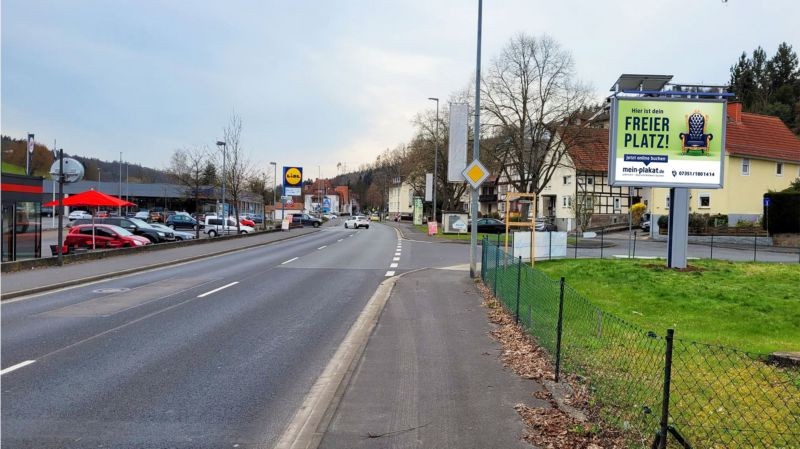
[
  {"x": 247, "y": 222},
  {"x": 105, "y": 236}
]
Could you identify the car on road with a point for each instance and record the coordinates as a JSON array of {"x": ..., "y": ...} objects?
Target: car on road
[
  {"x": 79, "y": 214},
  {"x": 489, "y": 226},
  {"x": 142, "y": 214},
  {"x": 105, "y": 236},
  {"x": 358, "y": 221},
  {"x": 330, "y": 216},
  {"x": 644, "y": 222},
  {"x": 179, "y": 235},
  {"x": 308, "y": 220},
  {"x": 375, "y": 217},
  {"x": 542, "y": 225},
  {"x": 180, "y": 221},
  {"x": 214, "y": 226},
  {"x": 247, "y": 221}
]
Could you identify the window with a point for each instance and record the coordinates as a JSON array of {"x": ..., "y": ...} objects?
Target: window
[
  {"x": 745, "y": 167},
  {"x": 566, "y": 201},
  {"x": 589, "y": 181},
  {"x": 779, "y": 168},
  {"x": 705, "y": 201},
  {"x": 617, "y": 206},
  {"x": 567, "y": 179}
]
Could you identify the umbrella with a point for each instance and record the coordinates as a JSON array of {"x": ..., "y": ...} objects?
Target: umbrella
[{"x": 91, "y": 198}]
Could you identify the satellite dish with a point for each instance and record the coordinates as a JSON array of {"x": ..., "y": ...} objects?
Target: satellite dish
[{"x": 73, "y": 170}]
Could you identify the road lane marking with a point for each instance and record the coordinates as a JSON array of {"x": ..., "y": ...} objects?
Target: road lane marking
[
  {"x": 322, "y": 247},
  {"x": 397, "y": 253},
  {"x": 217, "y": 289},
  {"x": 290, "y": 260},
  {"x": 389, "y": 273},
  {"x": 340, "y": 240},
  {"x": 17, "y": 366},
  {"x": 395, "y": 259},
  {"x": 393, "y": 265}
]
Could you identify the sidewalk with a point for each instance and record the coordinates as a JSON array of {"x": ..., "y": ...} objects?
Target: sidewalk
[
  {"x": 430, "y": 375},
  {"x": 17, "y": 283}
]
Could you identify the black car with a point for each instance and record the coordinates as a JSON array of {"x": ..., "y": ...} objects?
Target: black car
[
  {"x": 178, "y": 221},
  {"x": 489, "y": 226},
  {"x": 308, "y": 220},
  {"x": 134, "y": 225}
]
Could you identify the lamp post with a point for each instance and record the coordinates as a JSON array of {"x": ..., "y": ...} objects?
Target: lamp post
[
  {"x": 119, "y": 187},
  {"x": 274, "y": 187},
  {"x": 224, "y": 162},
  {"x": 435, "y": 158},
  {"x": 98, "y": 179}
]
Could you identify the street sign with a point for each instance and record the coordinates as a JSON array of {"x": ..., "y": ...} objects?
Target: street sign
[
  {"x": 285, "y": 198},
  {"x": 475, "y": 174}
]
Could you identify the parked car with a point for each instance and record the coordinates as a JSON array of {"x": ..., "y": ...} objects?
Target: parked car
[
  {"x": 47, "y": 211},
  {"x": 489, "y": 226},
  {"x": 156, "y": 216},
  {"x": 358, "y": 221},
  {"x": 330, "y": 216},
  {"x": 214, "y": 226},
  {"x": 308, "y": 220},
  {"x": 644, "y": 222},
  {"x": 79, "y": 214},
  {"x": 143, "y": 214},
  {"x": 542, "y": 225},
  {"x": 258, "y": 218},
  {"x": 179, "y": 235},
  {"x": 101, "y": 214},
  {"x": 180, "y": 221},
  {"x": 136, "y": 226},
  {"x": 105, "y": 236},
  {"x": 246, "y": 221}
]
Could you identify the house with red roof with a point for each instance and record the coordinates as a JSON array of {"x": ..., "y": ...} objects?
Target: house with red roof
[{"x": 761, "y": 154}]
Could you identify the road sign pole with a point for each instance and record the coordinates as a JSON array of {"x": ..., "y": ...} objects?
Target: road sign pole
[{"x": 476, "y": 149}]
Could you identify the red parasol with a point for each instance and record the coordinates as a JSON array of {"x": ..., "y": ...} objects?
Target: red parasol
[{"x": 91, "y": 198}]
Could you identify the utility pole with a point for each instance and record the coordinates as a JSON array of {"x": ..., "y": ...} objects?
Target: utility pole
[
  {"x": 435, "y": 159},
  {"x": 476, "y": 152}
]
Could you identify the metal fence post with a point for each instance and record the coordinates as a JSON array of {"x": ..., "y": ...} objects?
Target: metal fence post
[
  {"x": 755, "y": 246},
  {"x": 550, "y": 246},
  {"x": 519, "y": 279},
  {"x": 602, "y": 235},
  {"x": 483, "y": 259},
  {"x": 712, "y": 246},
  {"x": 662, "y": 442},
  {"x": 496, "y": 266},
  {"x": 559, "y": 328},
  {"x": 634, "y": 245}
]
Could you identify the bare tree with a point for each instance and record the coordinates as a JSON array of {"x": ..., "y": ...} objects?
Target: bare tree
[
  {"x": 531, "y": 100},
  {"x": 238, "y": 167},
  {"x": 187, "y": 167}
]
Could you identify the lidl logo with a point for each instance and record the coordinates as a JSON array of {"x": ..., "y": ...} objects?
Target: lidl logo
[{"x": 293, "y": 175}]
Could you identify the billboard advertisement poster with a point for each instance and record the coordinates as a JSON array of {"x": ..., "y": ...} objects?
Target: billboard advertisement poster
[
  {"x": 457, "y": 150},
  {"x": 454, "y": 223},
  {"x": 667, "y": 142}
]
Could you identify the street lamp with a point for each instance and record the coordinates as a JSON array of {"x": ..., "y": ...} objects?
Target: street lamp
[
  {"x": 98, "y": 179},
  {"x": 224, "y": 161},
  {"x": 274, "y": 187},
  {"x": 435, "y": 158}
]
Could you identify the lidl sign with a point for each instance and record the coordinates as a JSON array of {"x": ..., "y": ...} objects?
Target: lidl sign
[
  {"x": 666, "y": 142},
  {"x": 292, "y": 176}
]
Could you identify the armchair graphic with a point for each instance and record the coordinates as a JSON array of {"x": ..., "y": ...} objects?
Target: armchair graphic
[{"x": 696, "y": 138}]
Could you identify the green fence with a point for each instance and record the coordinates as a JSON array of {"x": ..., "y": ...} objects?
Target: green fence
[{"x": 657, "y": 388}]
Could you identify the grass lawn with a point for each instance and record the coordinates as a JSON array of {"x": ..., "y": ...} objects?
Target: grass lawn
[
  {"x": 465, "y": 236},
  {"x": 749, "y": 306},
  {"x": 9, "y": 168}
]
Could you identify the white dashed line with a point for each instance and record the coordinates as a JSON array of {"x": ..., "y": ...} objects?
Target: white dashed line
[
  {"x": 340, "y": 240},
  {"x": 322, "y": 247},
  {"x": 389, "y": 273},
  {"x": 290, "y": 260},
  {"x": 393, "y": 265},
  {"x": 28, "y": 362},
  {"x": 397, "y": 253},
  {"x": 395, "y": 259},
  {"x": 217, "y": 289}
]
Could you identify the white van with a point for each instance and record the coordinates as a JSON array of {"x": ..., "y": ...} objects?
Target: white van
[{"x": 214, "y": 227}]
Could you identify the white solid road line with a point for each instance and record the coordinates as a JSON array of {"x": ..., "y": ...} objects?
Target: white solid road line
[
  {"x": 389, "y": 273},
  {"x": 217, "y": 289},
  {"x": 17, "y": 366},
  {"x": 290, "y": 260},
  {"x": 322, "y": 247},
  {"x": 393, "y": 265}
]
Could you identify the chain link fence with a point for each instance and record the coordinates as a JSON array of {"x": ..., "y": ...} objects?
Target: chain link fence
[{"x": 663, "y": 391}]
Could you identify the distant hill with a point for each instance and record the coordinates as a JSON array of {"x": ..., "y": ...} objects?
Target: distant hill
[{"x": 13, "y": 158}]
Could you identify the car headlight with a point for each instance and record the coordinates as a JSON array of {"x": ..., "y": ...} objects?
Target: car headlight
[{"x": 161, "y": 234}]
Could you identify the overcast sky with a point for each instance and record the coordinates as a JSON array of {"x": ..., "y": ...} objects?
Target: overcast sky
[{"x": 322, "y": 82}]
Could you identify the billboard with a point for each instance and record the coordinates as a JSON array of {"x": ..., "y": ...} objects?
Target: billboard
[
  {"x": 666, "y": 142},
  {"x": 457, "y": 150},
  {"x": 292, "y": 180}
]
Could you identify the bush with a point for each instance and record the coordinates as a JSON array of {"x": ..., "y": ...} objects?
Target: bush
[
  {"x": 784, "y": 212},
  {"x": 663, "y": 221},
  {"x": 717, "y": 220}
]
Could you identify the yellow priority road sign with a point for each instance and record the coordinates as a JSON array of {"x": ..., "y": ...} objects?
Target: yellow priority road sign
[{"x": 475, "y": 174}]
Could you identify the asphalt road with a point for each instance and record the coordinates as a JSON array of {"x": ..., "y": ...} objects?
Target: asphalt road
[{"x": 214, "y": 353}]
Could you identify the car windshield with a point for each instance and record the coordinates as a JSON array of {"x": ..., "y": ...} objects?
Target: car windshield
[
  {"x": 140, "y": 223},
  {"x": 120, "y": 231}
]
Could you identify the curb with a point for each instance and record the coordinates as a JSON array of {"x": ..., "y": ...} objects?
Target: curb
[{"x": 100, "y": 277}]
